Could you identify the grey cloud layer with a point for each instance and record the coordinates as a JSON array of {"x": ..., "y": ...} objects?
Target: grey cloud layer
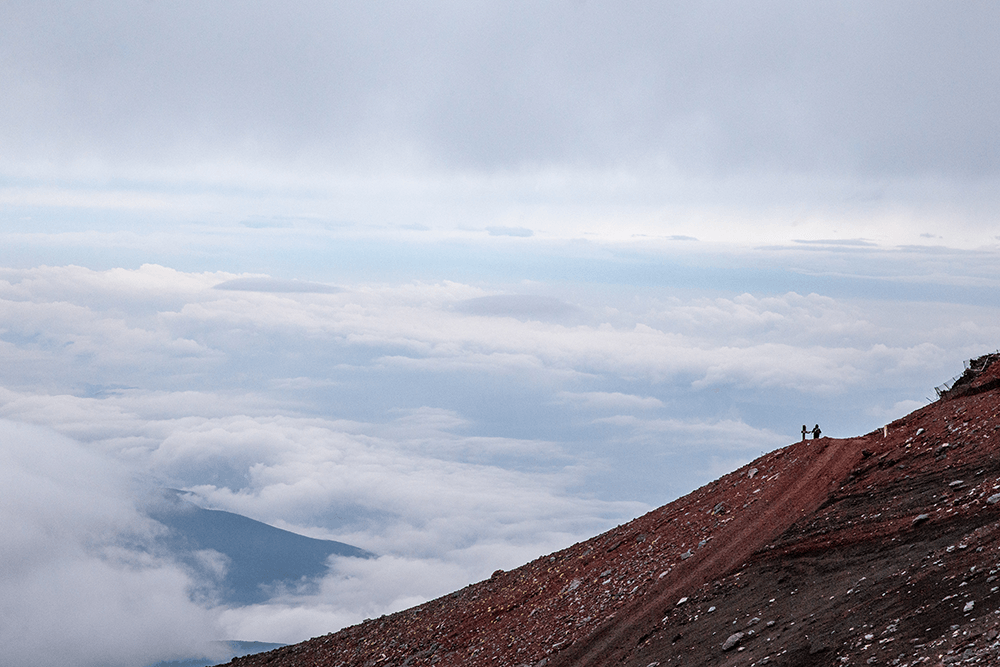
[{"x": 897, "y": 88}]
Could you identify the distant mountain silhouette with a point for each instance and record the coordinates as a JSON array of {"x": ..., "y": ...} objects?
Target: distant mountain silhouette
[{"x": 260, "y": 560}]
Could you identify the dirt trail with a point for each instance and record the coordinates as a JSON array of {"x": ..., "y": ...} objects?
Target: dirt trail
[{"x": 797, "y": 492}]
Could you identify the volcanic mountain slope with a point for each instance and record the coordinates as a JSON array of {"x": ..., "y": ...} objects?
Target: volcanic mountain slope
[
  {"x": 879, "y": 549},
  {"x": 260, "y": 559}
]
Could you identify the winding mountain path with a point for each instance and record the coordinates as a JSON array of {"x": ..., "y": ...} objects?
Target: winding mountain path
[{"x": 798, "y": 491}]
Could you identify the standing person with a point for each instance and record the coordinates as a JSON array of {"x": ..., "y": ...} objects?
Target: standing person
[
  {"x": 804, "y": 431},
  {"x": 816, "y": 432}
]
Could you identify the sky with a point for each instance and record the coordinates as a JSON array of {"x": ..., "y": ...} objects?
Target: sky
[{"x": 457, "y": 283}]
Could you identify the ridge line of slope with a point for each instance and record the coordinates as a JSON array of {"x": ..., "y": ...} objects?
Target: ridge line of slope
[{"x": 612, "y": 641}]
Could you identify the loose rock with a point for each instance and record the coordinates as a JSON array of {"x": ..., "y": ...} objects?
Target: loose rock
[{"x": 733, "y": 640}]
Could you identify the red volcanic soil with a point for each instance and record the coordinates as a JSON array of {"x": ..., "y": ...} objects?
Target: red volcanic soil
[{"x": 879, "y": 549}]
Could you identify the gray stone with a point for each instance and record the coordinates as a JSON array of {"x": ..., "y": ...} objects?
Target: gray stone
[{"x": 732, "y": 641}]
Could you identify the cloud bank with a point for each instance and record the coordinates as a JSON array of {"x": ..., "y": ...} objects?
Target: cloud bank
[
  {"x": 450, "y": 428},
  {"x": 78, "y": 583}
]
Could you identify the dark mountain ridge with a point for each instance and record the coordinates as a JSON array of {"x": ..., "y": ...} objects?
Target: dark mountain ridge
[
  {"x": 259, "y": 559},
  {"x": 878, "y": 549}
]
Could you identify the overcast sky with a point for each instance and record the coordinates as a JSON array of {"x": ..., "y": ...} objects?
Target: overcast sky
[{"x": 457, "y": 283}]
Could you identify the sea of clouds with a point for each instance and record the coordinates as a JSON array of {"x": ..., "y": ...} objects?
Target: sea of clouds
[{"x": 451, "y": 428}]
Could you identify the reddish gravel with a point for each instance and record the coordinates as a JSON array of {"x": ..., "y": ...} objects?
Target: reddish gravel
[
  {"x": 798, "y": 489},
  {"x": 867, "y": 550}
]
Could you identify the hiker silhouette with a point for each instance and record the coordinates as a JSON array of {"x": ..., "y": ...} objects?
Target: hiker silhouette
[{"x": 816, "y": 431}]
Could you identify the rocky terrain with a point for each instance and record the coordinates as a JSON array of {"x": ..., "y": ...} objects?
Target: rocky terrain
[{"x": 879, "y": 549}]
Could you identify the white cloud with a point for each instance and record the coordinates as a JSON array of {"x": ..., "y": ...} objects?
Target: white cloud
[
  {"x": 78, "y": 586},
  {"x": 614, "y": 400},
  {"x": 898, "y": 409},
  {"x": 679, "y": 435},
  {"x": 268, "y": 284},
  {"x": 203, "y": 330}
]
